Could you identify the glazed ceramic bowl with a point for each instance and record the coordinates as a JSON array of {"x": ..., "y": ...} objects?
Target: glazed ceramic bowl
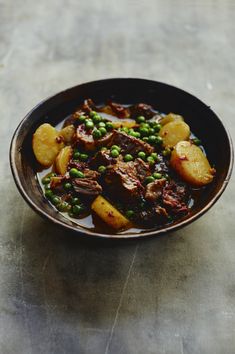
[{"x": 203, "y": 122}]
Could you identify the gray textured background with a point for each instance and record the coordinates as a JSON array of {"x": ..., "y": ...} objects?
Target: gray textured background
[{"x": 166, "y": 295}]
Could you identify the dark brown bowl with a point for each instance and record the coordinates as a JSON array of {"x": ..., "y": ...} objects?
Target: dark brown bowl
[{"x": 202, "y": 120}]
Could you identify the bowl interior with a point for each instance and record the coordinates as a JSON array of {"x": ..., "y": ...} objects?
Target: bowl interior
[{"x": 202, "y": 120}]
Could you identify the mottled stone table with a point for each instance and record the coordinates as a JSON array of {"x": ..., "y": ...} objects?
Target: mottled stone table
[{"x": 58, "y": 294}]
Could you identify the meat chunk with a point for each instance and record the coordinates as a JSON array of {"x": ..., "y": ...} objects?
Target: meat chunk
[
  {"x": 102, "y": 157},
  {"x": 154, "y": 190},
  {"x": 122, "y": 181},
  {"x": 91, "y": 174},
  {"x": 130, "y": 144},
  {"x": 142, "y": 169},
  {"x": 85, "y": 139},
  {"x": 87, "y": 187},
  {"x": 142, "y": 109},
  {"x": 174, "y": 198},
  {"x": 119, "y": 110}
]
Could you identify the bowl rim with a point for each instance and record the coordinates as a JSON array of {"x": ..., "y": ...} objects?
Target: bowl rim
[{"x": 83, "y": 231}]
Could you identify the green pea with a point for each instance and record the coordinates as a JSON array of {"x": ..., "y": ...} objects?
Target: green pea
[
  {"x": 196, "y": 141},
  {"x": 130, "y": 214},
  {"x": 144, "y": 131},
  {"x": 131, "y": 132},
  {"x": 63, "y": 206},
  {"x": 157, "y": 127},
  {"x": 67, "y": 186},
  {"x": 92, "y": 113},
  {"x": 51, "y": 174},
  {"x": 145, "y": 138},
  {"x": 144, "y": 125},
  {"x": 152, "y": 139},
  {"x": 89, "y": 124},
  {"x": 157, "y": 175},
  {"x": 149, "y": 179},
  {"x": 136, "y": 135},
  {"x": 166, "y": 152},
  {"x": 114, "y": 153},
  {"x": 109, "y": 126},
  {"x": 49, "y": 194},
  {"x": 77, "y": 209},
  {"x": 151, "y": 131},
  {"x": 159, "y": 140},
  {"x": 154, "y": 156},
  {"x": 150, "y": 160},
  {"x": 140, "y": 119},
  {"x": 75, "y": 201},
  {"x": 96, "y": 134},
  {"x": 76, "y": 155},
  {"x": 47, "y": 186},
  {"x": 101, "y": 169},
  {"x": 103, "y": 130},
  {"x": 82, "y": 119},
  {"x": 46, "y": 180},
  {"x": 55, "y": 200},
  {"x": 128, "y": 157},
  {"x": 142, "y": 155},
  {"x": 116, "y": 147},
  {"x": 75, "y": 173},
  {"x": 125, "y": 130},
  {"x": 83, "y": 157},
  {"x": 101, "y": 124},
  {"x": 96, "y": 118}
]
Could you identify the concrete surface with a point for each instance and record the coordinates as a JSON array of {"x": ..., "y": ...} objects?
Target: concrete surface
[{"x": 167, "y": 295}]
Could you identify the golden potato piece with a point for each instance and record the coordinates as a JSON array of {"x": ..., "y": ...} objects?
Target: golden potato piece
[
  {"x": 109, "y": 214},
  {"x": 46, "y": 144},
  {"x": 191, "y": 164},
  {"x": 67, "y": 133},
  {"x": 124, "y": 124},
  {"x": 174, "y": 132},
  {"x": 171, "y": 117},
  {"x": 62, "y": 160}
]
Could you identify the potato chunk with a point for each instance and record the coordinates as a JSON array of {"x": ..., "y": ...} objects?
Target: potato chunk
[
  {"x": 191, "y": 164},
  {"x": 174, "y": 132},
  {"x": 46, "y": 144},
  {"x": 67, "y": 133},
  {"x": 109, "y": 214},
  {"x": 124, "y": 124},
  {"x": 171, "y": 117},
  {"x": 62, "y": 160}
]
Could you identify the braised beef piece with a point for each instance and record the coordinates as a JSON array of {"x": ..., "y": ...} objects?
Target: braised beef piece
[
  {"x": 162, "y": 165},
  {"x": 154, "y": 190},
  {"x": 84, "y": 109},
  {"x": 85, "y": 139},
  {"x": 122, "y": 181},
  {"x": 91, "y": 174},
  {"x": 86, "y": 187},
  {"x": 102, "y": 157},
  {"x": 142, "y": 169},
  {"x": 174, "y": 198},
  {"x": 78, "y": 164},
  {"x": 130, "y": 144},
  {"x": 142, "y": 109},
  {"x": 119, "y": 110}
]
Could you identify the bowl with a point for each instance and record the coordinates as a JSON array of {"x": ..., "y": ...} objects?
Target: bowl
[{"x": 165, "y": 98}]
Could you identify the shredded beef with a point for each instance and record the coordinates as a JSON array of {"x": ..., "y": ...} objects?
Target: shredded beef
[
  {"x": 154, "y": 190},
  {"x": 142, "y": 109},
  {"x": 119, "y": 110},
  {"x": 174, "y": 198},
  {"x": 86, "y": 187},
  {"x": 121, "y": 179},
  {"x": 142, "y": 169}
]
